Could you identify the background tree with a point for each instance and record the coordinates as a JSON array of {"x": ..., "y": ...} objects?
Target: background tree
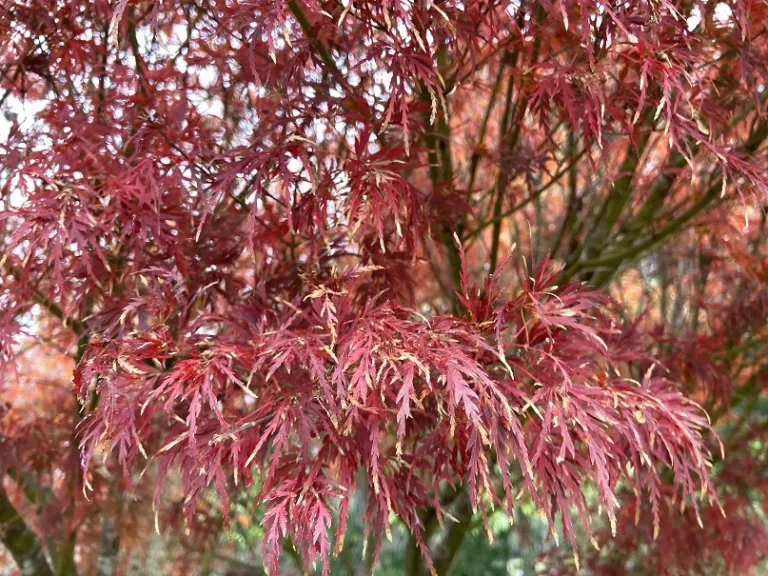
[{"x": 412, "y": 267}]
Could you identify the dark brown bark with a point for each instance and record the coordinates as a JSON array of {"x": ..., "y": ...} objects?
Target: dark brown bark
[{"x": 21, "y": 542}]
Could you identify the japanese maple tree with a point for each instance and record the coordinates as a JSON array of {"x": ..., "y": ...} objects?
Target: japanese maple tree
[{"x": 289, "y": 245}]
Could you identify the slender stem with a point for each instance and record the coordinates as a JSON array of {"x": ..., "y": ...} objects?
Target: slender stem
[
  {"x": 475, "y": 160},
  {"x": 523, "y": 203},
  {"x": 326, "y": 57},
  {"x": 441, "y": 175},
  {"x": 501, "y": 180},
  {"x": 573, "y": 200},
  {"x": 50, "y": 306}
]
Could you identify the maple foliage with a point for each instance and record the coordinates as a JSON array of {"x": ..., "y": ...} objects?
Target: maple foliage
[{"x": 281, "y": 248}]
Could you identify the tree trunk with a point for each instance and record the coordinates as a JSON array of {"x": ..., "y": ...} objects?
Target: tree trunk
[
  {"x": 22, "y": 543},
  {"x": 109, "y": 548},
  {"x": 444, "y": 553}
]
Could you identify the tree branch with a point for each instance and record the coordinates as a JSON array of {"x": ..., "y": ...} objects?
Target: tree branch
[
  {"x": 605, "y": 266},
  {"x": 523, "y": 203}
]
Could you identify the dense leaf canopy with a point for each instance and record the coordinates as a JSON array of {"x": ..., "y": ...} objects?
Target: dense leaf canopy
[{"x": 450, "y": 255}]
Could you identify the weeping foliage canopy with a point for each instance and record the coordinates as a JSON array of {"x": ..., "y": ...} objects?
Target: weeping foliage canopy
[{"x": 477, "y": 251}]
